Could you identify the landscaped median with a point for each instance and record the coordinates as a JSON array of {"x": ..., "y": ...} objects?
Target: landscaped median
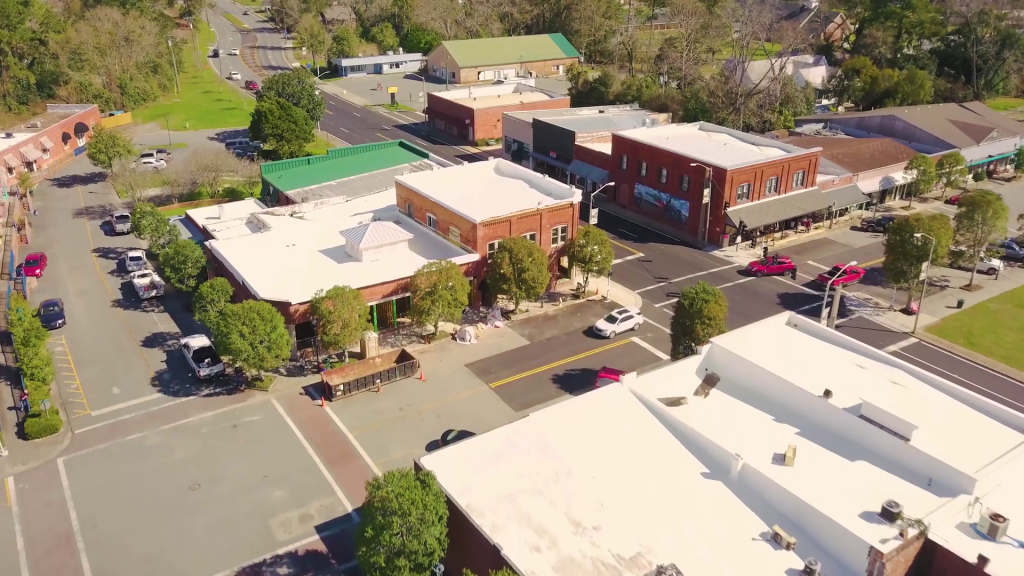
[
  {"x": 36, "y": 365},
  {"x": 993, "y": 328},
  {"x": 235, "y": 20}
]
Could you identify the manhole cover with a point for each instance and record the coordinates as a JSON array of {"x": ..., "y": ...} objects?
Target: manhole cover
[{"x": 194, "y": 487}]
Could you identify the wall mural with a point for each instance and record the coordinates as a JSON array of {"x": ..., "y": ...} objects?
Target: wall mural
[{"x": 671, "y": 207}]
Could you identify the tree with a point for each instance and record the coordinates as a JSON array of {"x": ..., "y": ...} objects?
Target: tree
[
  {"x": 210, "y": 300},
  {"x": 1018, "y": 160},
  {"x": 342, "y": 316},
  {"x": 699, "y": 316},
  {"x": 182, "y": 262},
  {"x": 420, "y": 39},
  {"x": 922, "y": 170},
  {"x": 591, "y": 253},
  {"x": 36, "y": 364},
  {"x": 130, "y": 180},
  {"x": 344, "y": 43},
  {"x": 26, "y": 329},
  {"x": 107, "y": 147},
  {"x": 149, "y": 224},
  {"x": 981, "y": 217},
  {"x": 253, "y": 335},
  {"x": 298, "y": 88},
  {"x": 440, "y": 292},
  {"x": 383, "y": 35},
  {"x": 518, "y": 269},
  {"x": 502, "y": 572},
  {"x": 951, "y": 169},
  {"x": 906, "y": 253},
  {"x": 282, "y": 126},
  {"x": 314, "y": 37},
  {"x": 983, "y": 51},
  {"x": 404, "y": 531}
]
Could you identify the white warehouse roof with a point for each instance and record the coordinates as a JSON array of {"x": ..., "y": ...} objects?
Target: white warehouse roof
[{"x": 714, "y": 145}]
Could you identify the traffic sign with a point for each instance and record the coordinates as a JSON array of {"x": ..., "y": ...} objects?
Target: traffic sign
[{"x": 392, "y": 89}]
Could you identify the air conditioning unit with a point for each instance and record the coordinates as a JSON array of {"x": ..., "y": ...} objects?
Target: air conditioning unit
[
  {"x": 993, "y": 525},
  {"x": 34, "y": 124},
  {"x": 666, "y": 570},
  {"x": 891, "y": 511},
  {"x": 811, "y": 567},
  {"x": 8, "y": 134},
  {"x": 784, "y": 540}
]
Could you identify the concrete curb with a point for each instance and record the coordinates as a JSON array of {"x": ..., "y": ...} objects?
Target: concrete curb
[
  {"x": 972, "y": 356},
  {"x": 41, "y": 451}
]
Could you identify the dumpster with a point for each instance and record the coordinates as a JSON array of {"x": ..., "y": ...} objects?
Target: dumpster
[{"x": 368, "y": 374}]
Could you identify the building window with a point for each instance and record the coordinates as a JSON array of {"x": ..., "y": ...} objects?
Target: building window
[
  {"x": 643, "y": 169},
  {"x": 743, "y": 192},
  {"x": 799, "y": 179},
  {"x": 663, "y": 175},
  {"x": 684, "y": 183},
  {"x": 46, "y": 152},
  {"x": 771, "y": 186},
  {"x": 559, "y": 235},
  {"x": 531, "y": 236},
  {"x": 492, "y": 247},
  {"x": 453, "y": 75},
  {"x": 431, "y": 221},
  {"x": 81, "y": 139},
  {"x": 454, "y": 235},
  {"x": 408, "y": 209},
  {"x": 11, "y": 170},
  {"x": 625, "y": 162}
]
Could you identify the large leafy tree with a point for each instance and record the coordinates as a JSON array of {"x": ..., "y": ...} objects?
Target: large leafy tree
[
  {"x": 344, "y": 43},
  {"x": 420, "y": 39},
  {"x": 518, "y": 269},
  {"x": 107, "y": 147},
  {"x": 342, "y": 316},
  {"x": 699, "y": 316},
  {"x": 149, "y": 224},
  {"x": 384, "y": 36},
  {"x": 440, "y": 292},
  {"x": 404, "y": 531},
  {"x": 922, "y": 169},
  {"x": 981, "y": 217},
  {"x": 591, "y": 253},
  {"x": 253, "y": 335},
  {"x": 951, "y": 170},
  {"x": 210, "y": 300},
  {"x": 284, "y": 127},
  {"x": 298, "y": 88},
  {"x": 182, "y": 262},
  {"x": 905, "y": 253},
  {"x": 983, "y": 51}
]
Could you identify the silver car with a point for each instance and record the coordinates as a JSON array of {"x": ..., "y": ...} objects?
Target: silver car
[{"x": 135, "y": 260}]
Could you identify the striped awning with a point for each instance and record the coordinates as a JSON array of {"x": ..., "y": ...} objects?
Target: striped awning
[
  {"x": 11, "y": 161},
  {"x": 30, "y": 153},
  {"x": 46, "y": 143}
]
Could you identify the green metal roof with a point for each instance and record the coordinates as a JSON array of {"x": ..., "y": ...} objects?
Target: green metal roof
[
  {"x": 339, "y": 163},
  {"x": 509, "y": 50}
]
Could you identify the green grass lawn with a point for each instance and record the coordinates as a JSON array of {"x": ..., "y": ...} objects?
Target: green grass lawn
[
  {"x": 256, "y": 3},
  {"x": 205, "y": 102},
  {"x": 180, "y": 210},
  {"x": 397, "y": 107},
  {"x": 993, "y": 328},
  {"x": 235, "y": 20},
  {"x": 1004, "y": 104},
  {"x": 318, "y": 147}
]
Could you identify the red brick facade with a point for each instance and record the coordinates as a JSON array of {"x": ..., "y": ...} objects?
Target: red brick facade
[
  {"x": 62, "y": 135},
  {"x": 593, "y": 157},
  {"x": 724, "y": 182},
  {"x": 471, "y": 124}
]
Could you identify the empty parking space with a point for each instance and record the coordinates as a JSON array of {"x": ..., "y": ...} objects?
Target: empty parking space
[
  {"x": 10, "y": 533},
  {"x": 214, "y": 492}
]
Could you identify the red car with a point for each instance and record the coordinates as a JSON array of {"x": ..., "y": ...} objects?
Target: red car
[
  {"x": 606, "y": 376},
  {"x": 851, "y": 275},
  {"x": 771, "y": 266},
  {"x": 251, "y": 85},
  {"x": 35, "y": 263}
]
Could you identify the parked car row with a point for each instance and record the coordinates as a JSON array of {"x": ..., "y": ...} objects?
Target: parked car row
[{"x": 51, "y": 312}]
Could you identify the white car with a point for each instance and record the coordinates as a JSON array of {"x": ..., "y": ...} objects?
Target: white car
[
  {"x": 135, "y": 260},
  {"x": 618, "y": 322},
  {"x": 233, "y": 52},
  {"x": 150, "y": 164},
  {"x": 990, "y": 266},
  {"x": 235, "y": 75}
]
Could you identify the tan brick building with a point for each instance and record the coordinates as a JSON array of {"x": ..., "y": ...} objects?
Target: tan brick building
[
  {"x": 45, "y": 141},
  {"x": 475, "y": 113},
  {"x": 485, "y": 59}
]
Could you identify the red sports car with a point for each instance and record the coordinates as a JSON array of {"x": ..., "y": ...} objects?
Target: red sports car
[
  {"x": 851, "y": 275},
  {"x": 251, "y": 85},
  {"x": 35, "y": 263},
  {"x": 606, "y": 376},
  {"x": 771, "y": 266},
  {"x": 954, "y": 199}
]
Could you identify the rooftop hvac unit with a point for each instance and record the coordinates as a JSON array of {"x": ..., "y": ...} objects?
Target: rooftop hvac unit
[
  {"x": 811, "y": 567},
  {"x": 891, "y": 511},
  {"x": 993, "y": 525},
  {"x": 667, "y": 570},
  {"x": 34, "y": 124},
  {"x": 780, "y": 537}
]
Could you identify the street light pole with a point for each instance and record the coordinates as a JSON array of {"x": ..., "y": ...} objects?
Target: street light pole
[
  {"x": 709, "y": 175},
  {"x": 927, "y": 269},
  {"x": 824, "y": 300},
  {"x": 174, "y": 61}
]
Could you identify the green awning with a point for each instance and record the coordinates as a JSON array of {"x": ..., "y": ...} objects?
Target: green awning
[{"x": 991, "y": 158}]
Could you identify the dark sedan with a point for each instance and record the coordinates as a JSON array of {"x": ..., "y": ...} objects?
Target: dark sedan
[
  {"x": 51, "y": 314},
  {"x": 877, "y": 224}
]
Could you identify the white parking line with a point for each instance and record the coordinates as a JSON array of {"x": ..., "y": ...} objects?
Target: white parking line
[
  {"x": 656, "y": 325},
  {"x": 804, "y": 288},
  {"x": 630, "y": 257},
  {"x": 351, "y": 438},
  {"x": 979, "y": 366},
  {"x": 694, "y": 275},
  {"x": 960, "y": 378},
  {"x": 79, "y": 541},
  {"x": 284, "y": 549},
  {"x": 125, "y": 405},
  {"x": 898, "y": 345},
  {"x": 651, "y": 349},
  {"x": 319, "y": 464},
  {"x": 740, "y": 281},
  {"x": 134, "y": 414},
  {"x": 813, "y": 263},
  {"x": 19, "y": 540}
]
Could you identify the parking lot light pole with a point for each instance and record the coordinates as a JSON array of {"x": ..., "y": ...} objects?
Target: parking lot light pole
[
  {"x": 424, "y": 80},
  {"x": 824, "y": 300},
  {"x": 927, "y": 269}
]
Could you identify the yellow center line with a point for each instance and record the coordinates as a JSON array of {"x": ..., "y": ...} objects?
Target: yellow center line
[
  {"x": 619, "y": 244},
  {"x": 560, "y": 362},
  {"x": 875, "y": 261},
  {"x": 7, "y": 489}
]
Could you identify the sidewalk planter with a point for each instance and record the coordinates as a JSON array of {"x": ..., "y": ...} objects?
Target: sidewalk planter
[
  {"x": 369, "y": 374},
  {"x": 262, "y": 386}
]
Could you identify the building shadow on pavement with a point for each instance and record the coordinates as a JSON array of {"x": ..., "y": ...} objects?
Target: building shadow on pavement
[
  {"x": 332, "y": 555},
  {"x": 74, "y": 180}
]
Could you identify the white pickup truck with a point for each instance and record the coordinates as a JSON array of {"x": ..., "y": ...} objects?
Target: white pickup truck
[
  {"x": 201, "y": 356},
  {"x": 147, "y": 284}
]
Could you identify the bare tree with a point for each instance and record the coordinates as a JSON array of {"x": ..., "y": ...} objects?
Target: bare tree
[
  {"x": 210, "y": 169},
  {"x": 690, "y": 46},
  {"x": 130, "y": 180},
  {"x": 180, "y": 180}
]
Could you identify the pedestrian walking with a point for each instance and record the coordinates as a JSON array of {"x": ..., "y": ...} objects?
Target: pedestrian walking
[
  {"x": 794, "y": 271},
  {"x": 24, "y": 403}
]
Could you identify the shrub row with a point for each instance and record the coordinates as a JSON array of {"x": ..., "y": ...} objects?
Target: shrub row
[{"x": 36, "y": 365}]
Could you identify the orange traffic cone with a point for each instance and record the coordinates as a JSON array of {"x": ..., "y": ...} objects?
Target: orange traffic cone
[
  {"x": 422, "y": 379},
  {"x": 323, "y": 403}
]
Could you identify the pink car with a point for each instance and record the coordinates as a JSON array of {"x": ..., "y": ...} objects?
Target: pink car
[
  {"x": 851, "y": 275},
  {"x": 35, "y": 263},
  {"x": 606, "y": 376}
]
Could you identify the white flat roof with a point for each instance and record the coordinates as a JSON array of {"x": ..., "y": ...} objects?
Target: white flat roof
[
  {"x": 484, "y": 190},
  {"x": 13, "y": 144},
  {"x": 605, "y": 147},
  {"x": 714, "y": 145},
  {"x": 492, "y": 95},
  {"x": 597, "y": 486},
  {"x": 286, "y": 254},
  {"x": 227, "y": 219}
]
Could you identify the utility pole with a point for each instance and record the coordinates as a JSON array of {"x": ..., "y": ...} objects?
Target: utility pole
[
  {"x": 170, "y": 46},
  {"x": 835, "y": 306}
]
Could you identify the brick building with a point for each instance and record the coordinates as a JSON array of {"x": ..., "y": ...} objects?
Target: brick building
[
  {"x": 475, "y": 113},
  {"x": 483, "y": 59},
  {"x": 45, "y": 141}
]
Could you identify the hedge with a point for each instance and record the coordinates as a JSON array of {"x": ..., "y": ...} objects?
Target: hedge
[
  {"x": 36, "y": 365},
  {"x": 39, "y": 425}
]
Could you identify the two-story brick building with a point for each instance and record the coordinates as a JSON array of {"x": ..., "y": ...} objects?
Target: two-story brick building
[
  {"x": 475, "y": 113},
  {"x": 45, "y": 141},
  {"x": 711, "y": 184}
]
